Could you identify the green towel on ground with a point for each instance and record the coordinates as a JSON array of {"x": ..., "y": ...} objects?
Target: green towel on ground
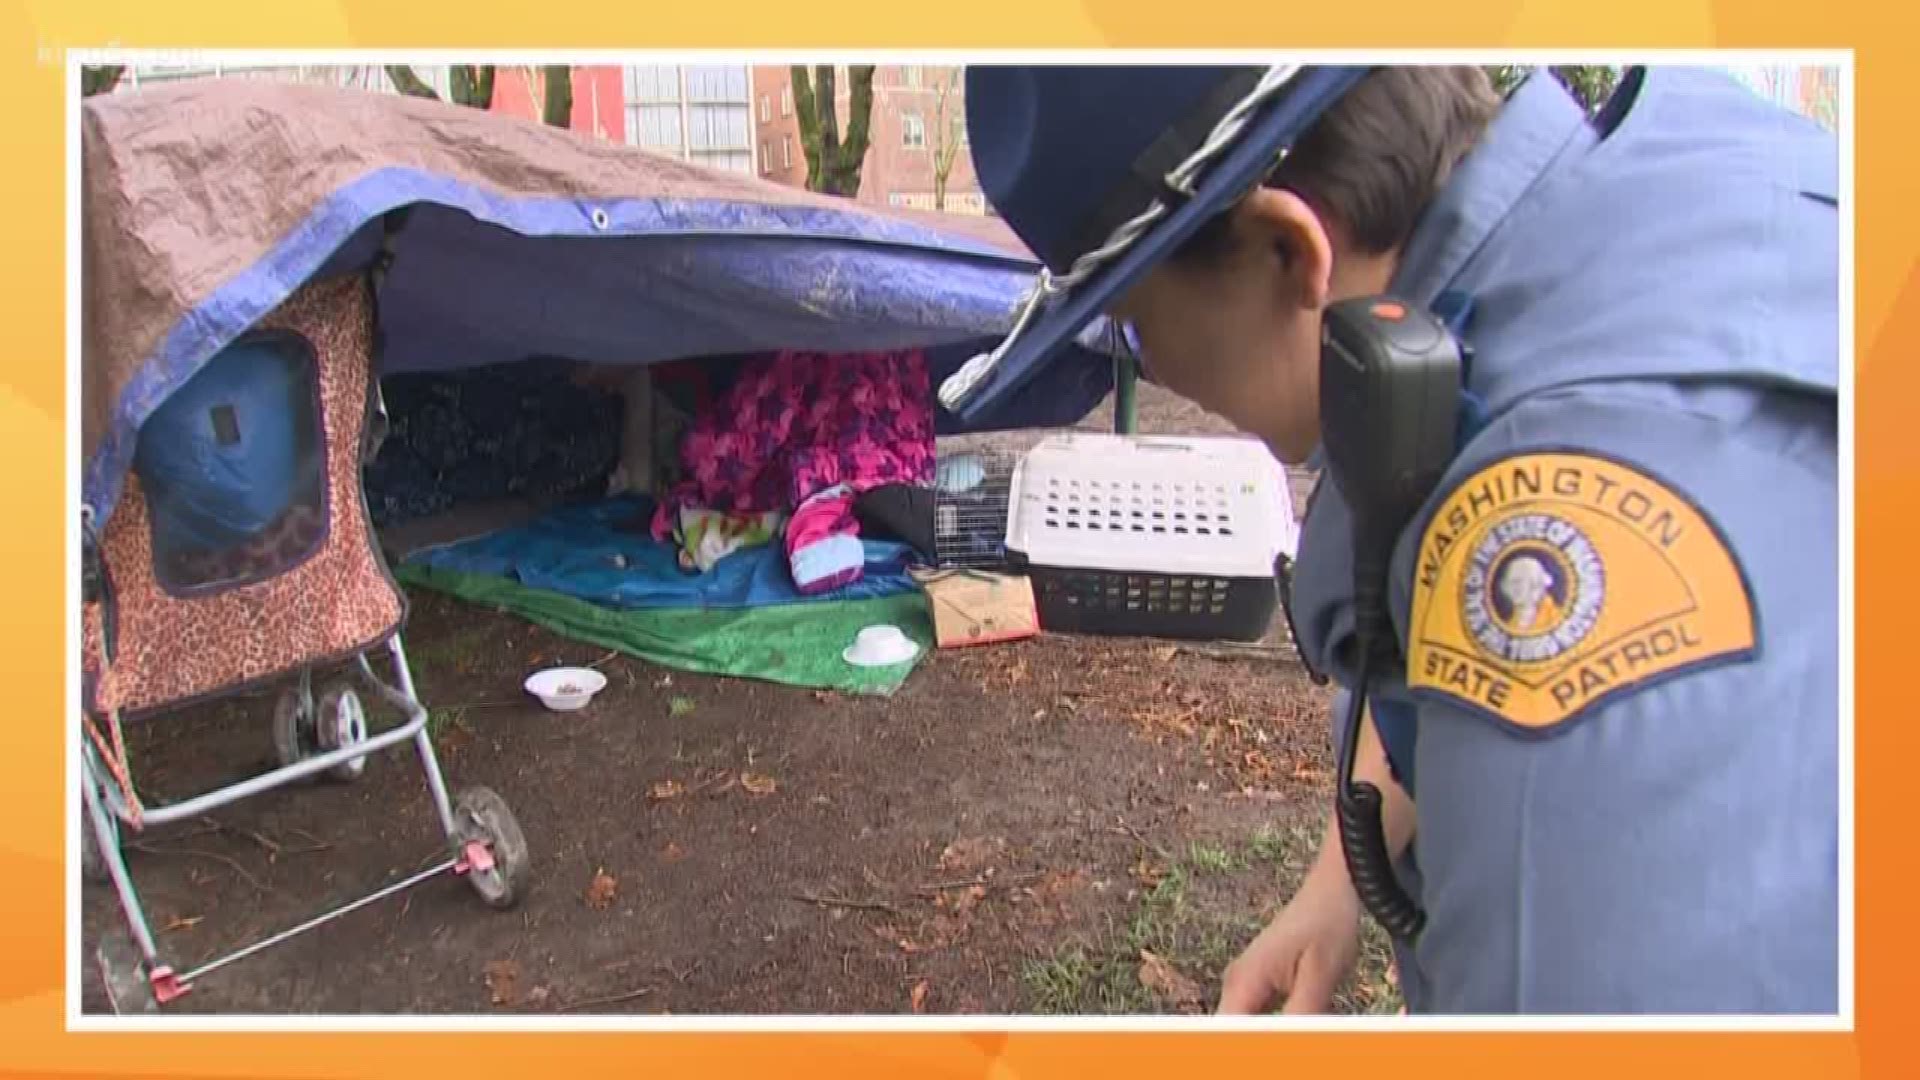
[{"x": 795, "y": 644}]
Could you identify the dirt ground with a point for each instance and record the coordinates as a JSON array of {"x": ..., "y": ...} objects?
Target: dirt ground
[{"x": 1067, "y": 825}]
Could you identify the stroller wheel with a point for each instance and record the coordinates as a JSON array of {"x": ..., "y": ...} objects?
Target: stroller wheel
[
  {"x": 122, "y": 974},
  {"x": 293, "y": 727},
  {"x": 481, "y": 815},
  {"x": 342, "y": 722}
]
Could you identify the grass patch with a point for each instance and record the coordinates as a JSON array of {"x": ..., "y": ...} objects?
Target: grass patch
[
  {"x": 1196, "y": 918},
  {"x": 1290, "y": 849},
  {"x": 1212, "y": 859},
  {"x": 441, "y": 721}
]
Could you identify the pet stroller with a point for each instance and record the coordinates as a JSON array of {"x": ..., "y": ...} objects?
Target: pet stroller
[
  {"x": 281, "y": 421},
  {"x": 257, "y": 255}
]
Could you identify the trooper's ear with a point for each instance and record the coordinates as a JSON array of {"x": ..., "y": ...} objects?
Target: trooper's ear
[{"x": 1290, "y": 227}]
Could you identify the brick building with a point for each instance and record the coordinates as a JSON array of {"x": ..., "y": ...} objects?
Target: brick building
[{"x": 917, "y": 110}]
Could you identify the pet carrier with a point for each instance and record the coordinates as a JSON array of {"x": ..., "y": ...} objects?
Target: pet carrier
[{"x": 1152, "y": 536}]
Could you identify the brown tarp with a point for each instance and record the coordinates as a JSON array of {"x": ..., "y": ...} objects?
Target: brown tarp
[{"x": 184, "y": 187}]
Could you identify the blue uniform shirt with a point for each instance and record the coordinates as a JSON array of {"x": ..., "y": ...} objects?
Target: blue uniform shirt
[{"x": 1619, "y": 719}]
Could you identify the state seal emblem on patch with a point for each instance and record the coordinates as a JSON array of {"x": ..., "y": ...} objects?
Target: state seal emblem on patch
[{"x": 1548, "y": 583}]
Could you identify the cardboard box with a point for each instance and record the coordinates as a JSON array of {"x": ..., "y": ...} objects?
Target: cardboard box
[{"x": 971, "y": 607}]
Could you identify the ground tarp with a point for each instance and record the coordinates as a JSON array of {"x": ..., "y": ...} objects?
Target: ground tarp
[
  {"x": 602, "y": 553},
  {"x": 795, "y": 644}
]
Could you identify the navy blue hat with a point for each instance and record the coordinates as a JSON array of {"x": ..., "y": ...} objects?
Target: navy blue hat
[{"x": 1069, "y": 155}]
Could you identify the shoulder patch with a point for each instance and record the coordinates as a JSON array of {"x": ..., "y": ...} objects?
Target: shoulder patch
[{"x": 1547, "y": 583}]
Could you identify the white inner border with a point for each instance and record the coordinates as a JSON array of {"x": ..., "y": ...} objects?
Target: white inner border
[{"x": 1842, "y": 1021}]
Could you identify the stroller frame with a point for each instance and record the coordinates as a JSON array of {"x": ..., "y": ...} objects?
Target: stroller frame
[{"x": 484, "y": 841}]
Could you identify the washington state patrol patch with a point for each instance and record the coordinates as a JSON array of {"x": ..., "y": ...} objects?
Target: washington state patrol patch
[{"x": 1549, "y": 583}]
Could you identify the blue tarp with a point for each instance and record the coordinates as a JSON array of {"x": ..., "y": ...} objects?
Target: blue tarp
[{"x": 572, "y": 551}]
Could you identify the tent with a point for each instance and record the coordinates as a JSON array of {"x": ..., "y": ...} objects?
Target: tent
[{"x": 208, "y": 205}]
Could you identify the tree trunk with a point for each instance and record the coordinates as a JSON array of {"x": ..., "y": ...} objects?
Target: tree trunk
[
  {"x": 804, "y": 112},
  {"x": 559, "y": 104},
  {"x": 833, "y": 163},
  {"x": 852, "y": 152},
  {"x": 471, "y": 85},
  {"x": 100, "y": 80},
  {"x": 408, "y": 83}
]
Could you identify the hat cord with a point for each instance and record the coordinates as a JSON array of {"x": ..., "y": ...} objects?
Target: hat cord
[{"x": 1180, "y": 180}]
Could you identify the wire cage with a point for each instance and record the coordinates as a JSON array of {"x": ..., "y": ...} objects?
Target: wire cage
[{"x": 972, "y": 492}]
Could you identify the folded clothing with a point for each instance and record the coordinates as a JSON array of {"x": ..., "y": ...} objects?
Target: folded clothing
[
  {"x": 823, "y": 542},
  {"x": 707, "y": 536}
]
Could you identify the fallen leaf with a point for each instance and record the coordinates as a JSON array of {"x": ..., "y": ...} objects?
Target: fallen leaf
[
  {"x": 600, "y": 894},
  {"x": 823, "y": 695},
  {"x": 1166, "y": 653},
  {"x": 920, "y": 996},
  {"x": 501, "y": 975},
  {"x": 186, "y": 922},
  {"x": 968, "y": 854},
  {"x": 970, "y": 898},
  {"x": 1148, "y": 872},
  {"x": 681, "y": 706},
  {"x": 1166, "y": 982},
  {"x": 663, "y": 790},
  {"x": 759, "y": 785},
  {"x": 673, "y": 852},
  {"x": 538, "y": 995}
]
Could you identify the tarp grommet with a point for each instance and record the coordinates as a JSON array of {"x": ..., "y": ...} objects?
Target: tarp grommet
[{"x": 600, "y": 219}]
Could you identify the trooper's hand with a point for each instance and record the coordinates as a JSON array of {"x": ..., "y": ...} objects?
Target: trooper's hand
[{"x": 1302, "y": 957}]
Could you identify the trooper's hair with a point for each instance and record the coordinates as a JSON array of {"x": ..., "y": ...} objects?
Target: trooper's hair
[{"x": 1381, "y": 154}]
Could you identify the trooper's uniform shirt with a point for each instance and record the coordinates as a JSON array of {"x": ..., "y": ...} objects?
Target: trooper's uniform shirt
[{"x": 1619, "y": 717}]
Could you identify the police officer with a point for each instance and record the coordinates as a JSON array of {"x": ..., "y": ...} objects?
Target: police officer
[{"x": 1611, "y": 760}]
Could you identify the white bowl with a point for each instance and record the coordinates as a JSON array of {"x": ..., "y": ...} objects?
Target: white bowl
[
  {"x": 880, "y": 646},
  {"x": 566, "y": 689}
]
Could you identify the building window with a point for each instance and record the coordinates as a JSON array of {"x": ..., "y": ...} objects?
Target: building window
[
  {"x": 960, "y": 130},
  {"x": 654, "y": 109},
  {"x": 698, "y": 114},
  {"x": 786, "y": 100},
  {"x": 913, "y": 132},
  {"x": 766, "y": 160},
  {"x": 786, "y": 151},
  {"x": 766, "y": 109},
  {"x": 910, "y": 76}
]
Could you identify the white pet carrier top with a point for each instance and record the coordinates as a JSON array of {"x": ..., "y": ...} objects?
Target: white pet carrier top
[{"x": 1152, "y": 504}]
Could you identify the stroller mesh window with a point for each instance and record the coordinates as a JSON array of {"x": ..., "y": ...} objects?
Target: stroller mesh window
[{"x": 233, "y": 468}]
